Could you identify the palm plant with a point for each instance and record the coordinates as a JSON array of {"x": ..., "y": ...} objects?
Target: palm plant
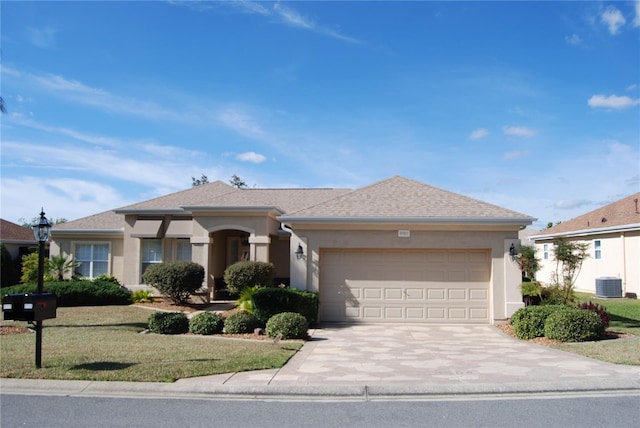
[{"x": 60, "y": 265}]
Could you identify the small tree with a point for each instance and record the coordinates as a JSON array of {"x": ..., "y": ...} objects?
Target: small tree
[
  {"x": 242, "y": 275},
  {"x": 176, "y": 280},
  {"x": 527, "y": 261},
  {"x": 199, "y": 181},
  {"x": 30, "y": 268},
  {"x": 568, "y": 256},
  {"x": 237, "y": 182},
  {"x": 61, "y": 265}
]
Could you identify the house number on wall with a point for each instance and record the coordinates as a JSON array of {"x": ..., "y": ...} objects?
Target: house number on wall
[{"x": 404, "y": 233}]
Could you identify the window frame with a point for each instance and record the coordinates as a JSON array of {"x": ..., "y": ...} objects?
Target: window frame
[
  {"x": 597, "y": 249},
  {"x": 92, "y": 244}
]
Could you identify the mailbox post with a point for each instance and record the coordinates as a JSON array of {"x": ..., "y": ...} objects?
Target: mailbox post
[{"x": 42, "y": 232}]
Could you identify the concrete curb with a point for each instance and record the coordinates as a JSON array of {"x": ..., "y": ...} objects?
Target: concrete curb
[{"x": 208, "y": 390}]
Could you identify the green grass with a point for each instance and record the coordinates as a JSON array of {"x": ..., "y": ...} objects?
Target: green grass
[
  {"x": 624, "y": 313},
  {"x": 625, "y": 318},
  {"x": 104, "y": 343}
]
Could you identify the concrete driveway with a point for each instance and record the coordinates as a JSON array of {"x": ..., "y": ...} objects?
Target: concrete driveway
[{"x": 420, "y": 355}]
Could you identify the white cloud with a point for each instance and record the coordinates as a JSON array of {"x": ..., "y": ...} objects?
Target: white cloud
[
  {"x": 613, "y": 18},
  {"x": 632, "y": 87},
  {"x": 519, "y": 131},
  {"x": 41, "y": 37},
  {"x": 515, "y": 155},
  {"x": 478, "y": 134},
  {"x": 252, "y": 157},
  {"x": 241, "y": 122},
  {"x": 612, "y": 102},
  {"x": 636, "y": 19},
  {"x": 573, "y": 39}
]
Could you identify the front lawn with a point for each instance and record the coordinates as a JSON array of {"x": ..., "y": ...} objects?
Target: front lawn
[
  {"x": 104, "y": 343},
  {"x": 625, "y": 318}
]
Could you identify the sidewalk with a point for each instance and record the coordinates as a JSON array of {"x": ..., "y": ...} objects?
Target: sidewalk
[{"x": 385, "y": 362}]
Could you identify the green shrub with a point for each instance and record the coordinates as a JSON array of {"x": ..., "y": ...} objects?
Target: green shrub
[
  {"x": 79, "y": 293},
  {"x": 290, "y": 325},
  {"x": 206, "y": 323},
  {"x": 240, "y": 323},
  {"x": 29, "y": 269},
  {"x": 574, "y": 325},
  {"x": 529, "y": 322},
  {"x": 598, "y": 309},
  {"x": 168, "y": 323},
  {"x": 142, "y": 296},
  {"x": 107, "y": 278},
  {"x": 176, "y": 280},
  {"x": 268, "y": 302},
  {"x": 242, "y": 275}
]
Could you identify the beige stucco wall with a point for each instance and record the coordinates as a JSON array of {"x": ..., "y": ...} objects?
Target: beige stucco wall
[
  {"x": 505, "y": 275},
  {"x": 620, "y": 259},
  {"x": 65, "y": 244}
]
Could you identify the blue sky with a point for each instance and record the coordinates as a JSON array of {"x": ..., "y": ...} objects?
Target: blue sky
[{"x": 533, "y": 106}]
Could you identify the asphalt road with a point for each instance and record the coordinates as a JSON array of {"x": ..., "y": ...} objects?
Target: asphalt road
[{"x": 614, "y": 410}]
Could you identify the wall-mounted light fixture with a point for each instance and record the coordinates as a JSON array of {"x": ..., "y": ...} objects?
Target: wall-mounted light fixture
[
  {"x": 512, "y": 252},
  {"x": 299, "y": 252}
]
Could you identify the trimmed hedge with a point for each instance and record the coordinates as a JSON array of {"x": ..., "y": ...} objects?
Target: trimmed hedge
[
  {"x": 268, "y": 302},
  {"x": 574, "y": 325},
  {"x": 79, "y": 293},
  {"x": 206, "y": 323},
  {"x": 168, "y": 323},
  {"x": 242, "y": 275},
  {"x": 177, "y": 279},
  {"x": 241, "y": 323},
  {"x": 529, "y": 322},
  {"x": 290, "y": 325}
]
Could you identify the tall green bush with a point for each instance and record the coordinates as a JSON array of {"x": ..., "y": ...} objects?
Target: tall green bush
[
  {"x": 242, "y": 275},
  {"x": 79, "y": 293},
  {"x": 574, "y": 325},
  {"x": 176, "y": 280},
  {"x": 268, "y": 302}
]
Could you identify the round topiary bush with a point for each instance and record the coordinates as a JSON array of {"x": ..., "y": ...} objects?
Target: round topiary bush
[
  {"x": 206, "y": 323},
  {"x": 240, "y": 323},
  {"x": 168, "y": 323},
  {"x": 242, "y": 275},
  {"x": 290, "y": 325},
  {"x": 574, "y": 325},
  {"x": 529, "y": 322},
  {"x": 176, "y": 279}
]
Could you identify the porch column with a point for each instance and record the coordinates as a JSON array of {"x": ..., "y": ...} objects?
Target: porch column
[
  {"x": 200, "y": 247},
  {"x": 259, "y": 251},
  {"x": 512, "y": 280}
]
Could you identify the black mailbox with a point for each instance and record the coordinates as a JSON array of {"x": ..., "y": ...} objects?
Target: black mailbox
[{"x": 29, "y": 307}]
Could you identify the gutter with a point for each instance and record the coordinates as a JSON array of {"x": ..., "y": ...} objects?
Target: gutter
[
  {"x": 87, "y": 231},
  {"x": 525, "y": 221},
  {"x": 586, "y": 232}
]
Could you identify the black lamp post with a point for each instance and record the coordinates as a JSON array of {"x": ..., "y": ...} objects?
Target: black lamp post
[{"x": 42, "y": 232}]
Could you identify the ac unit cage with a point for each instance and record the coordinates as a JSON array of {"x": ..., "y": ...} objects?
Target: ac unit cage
[{"x": 608, "y": 287}]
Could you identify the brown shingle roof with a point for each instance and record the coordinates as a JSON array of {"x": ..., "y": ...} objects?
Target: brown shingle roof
[
  {"x": 107, "y": 220},
  {"x": 11, "y": 232},
  {"x": 400, "y": 197},
  {"x": 623, "y": 212}
]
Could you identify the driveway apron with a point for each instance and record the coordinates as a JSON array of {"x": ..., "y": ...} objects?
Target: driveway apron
[{"x": 418, "y": 354}]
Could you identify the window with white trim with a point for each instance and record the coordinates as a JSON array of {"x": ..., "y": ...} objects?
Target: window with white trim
[
  {"x": 183, "y": 249},
  {"x": 545, "y": 251},
  {"x": 93, "y": 259},
  {"x": 151, "y": 252},
  {"x": 597, "y": 249}
]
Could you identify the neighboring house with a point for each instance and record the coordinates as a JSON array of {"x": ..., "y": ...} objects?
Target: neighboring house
[
  {"x": 613, "y": 235},
  {"x": 395, "y": 251},
  {"x": 18, "y": 240}
]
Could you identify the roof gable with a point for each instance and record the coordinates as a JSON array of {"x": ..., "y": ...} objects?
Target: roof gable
[
  {"x": 623, "y": 212},
  {"x": 399, "y": 197}
]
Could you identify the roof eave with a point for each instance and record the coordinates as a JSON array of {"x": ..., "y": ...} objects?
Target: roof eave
[
  {"x": 240, "y": 208},
  {"x": 150, "y": 211},
  {"x": 586, "y": 232},
  {"x": 521, "y": 221},
  {"x": 87, "y": 231}
]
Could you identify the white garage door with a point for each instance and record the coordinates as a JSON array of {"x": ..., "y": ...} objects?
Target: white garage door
[{"x": 432, "y": 286}]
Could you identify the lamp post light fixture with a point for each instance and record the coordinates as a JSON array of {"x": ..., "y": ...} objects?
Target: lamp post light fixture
[
  {"x": 299, "y": 252},
  {"x": 42, "y": 232}
]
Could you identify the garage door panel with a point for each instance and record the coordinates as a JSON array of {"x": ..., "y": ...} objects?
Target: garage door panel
[{"x": 394, "y": 286}]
